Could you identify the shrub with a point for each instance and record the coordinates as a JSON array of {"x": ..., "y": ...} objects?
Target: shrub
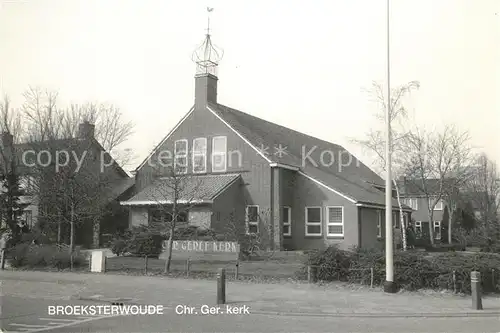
[
  {"x": 119, "y": 246},
  {"x": 145, "y": 243},
  {"x": 412, "y": 270},
  {"x": 36, "y": 256},
  {"x": 35, "y": 237}
]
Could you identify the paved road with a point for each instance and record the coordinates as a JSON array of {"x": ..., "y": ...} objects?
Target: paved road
[{"x": 30, "y": 315}]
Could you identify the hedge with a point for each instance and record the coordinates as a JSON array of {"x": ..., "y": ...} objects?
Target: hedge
[
  {"x": 412, "y": 270},
  {"x": 38, "y": 256}
]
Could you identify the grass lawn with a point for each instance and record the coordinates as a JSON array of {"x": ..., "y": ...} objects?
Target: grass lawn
[{"x": 246, "y": 268}]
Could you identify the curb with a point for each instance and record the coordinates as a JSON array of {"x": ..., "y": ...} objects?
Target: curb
[
  {"x": 478, "y": 313},
  {"x": 380, "y": 315}
]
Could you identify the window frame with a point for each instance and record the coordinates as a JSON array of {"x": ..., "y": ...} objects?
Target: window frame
[
  {"x": 320, "y": 223},
  {"x": 379, "y": 223},
  {"x": 248, "y": 222},
  {"x": 328, "y": 223},
  {"x": 178, "y": 156},
  {"x": 214, "y": 153},
  {"x": 439, "y": 205},
  {"x": 418, "y": 226},
  {"x": 289, "y": 223},
  {"x": 198, "y": 153},
  {"x": 434, "y": 229},
  {"x": 409, "y": 202}
]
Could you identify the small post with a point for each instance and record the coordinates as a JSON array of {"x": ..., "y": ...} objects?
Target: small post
[
  {"x": 221, "y": 286},
  {"x": 493, "y": 279},
  {"x": 146, "y": 264},
  {"x": 236, "y": 273},
  {"x": 454, "y": 282},
  {"x": 2, "y": 259},
  {"x": 71, "y": 261},
  {"x": 475, "y": 282},
  {"x": 188, "y": 266},
  {"x": 371, "y": 277},
  {"x": 309, "y": 274}
]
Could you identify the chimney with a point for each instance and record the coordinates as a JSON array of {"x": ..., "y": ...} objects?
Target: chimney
[
  {"x": 86, "y": 130},
  {"x": 205, "y": 90}
]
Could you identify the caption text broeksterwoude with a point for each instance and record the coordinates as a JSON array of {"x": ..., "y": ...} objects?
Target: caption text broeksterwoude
[{"x": 107, "y": 310}]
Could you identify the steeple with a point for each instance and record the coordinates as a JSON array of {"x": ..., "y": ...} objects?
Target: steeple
[{"x": 207, "y": 57}]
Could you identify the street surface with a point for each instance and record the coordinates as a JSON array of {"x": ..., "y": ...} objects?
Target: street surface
[
  {"x": 30, "y": 315},
  {"x": 26, "y": 297}
]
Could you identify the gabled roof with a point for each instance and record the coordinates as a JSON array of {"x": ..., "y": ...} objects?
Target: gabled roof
[
  {"x": 69, "y": 144},
  {"x": 414, "y": 187},
  {"x": 351, "y": 180},
  {"x": 190, "y": 189}
]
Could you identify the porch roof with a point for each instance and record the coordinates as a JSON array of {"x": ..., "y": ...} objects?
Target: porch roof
[{"x": 190, "y": 189}]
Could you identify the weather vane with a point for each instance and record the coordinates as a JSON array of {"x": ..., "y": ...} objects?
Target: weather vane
[{"x": 209, "y": 10}]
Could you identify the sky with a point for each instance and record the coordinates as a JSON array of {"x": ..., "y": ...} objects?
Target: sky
[{"x": 303, "y": 64}]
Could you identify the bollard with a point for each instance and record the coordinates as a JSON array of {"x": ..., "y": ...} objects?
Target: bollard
[
  {"x": 454, "y": 277},
  {"x": 221, "y": 286},
  {"x": 309, "y": 274},
  {"x": 236, "y": 273},
  {"x": 146, "y": 264},
  {"x": 371, "y": 277},
  {"x": 188, "y": 266},
  {"x": 2, "y": 259},
  {"x": 475, "y": 283}
]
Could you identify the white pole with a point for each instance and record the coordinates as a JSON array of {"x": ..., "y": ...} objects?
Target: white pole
[{"x": 389, "y": 243}]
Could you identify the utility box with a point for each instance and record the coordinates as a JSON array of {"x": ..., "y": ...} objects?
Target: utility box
[{"x": 98, "y": 262}]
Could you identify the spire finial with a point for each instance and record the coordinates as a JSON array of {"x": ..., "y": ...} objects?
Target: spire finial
[
  {"x": 207, "y": 55},
  {"x": 209, "y": 10}
]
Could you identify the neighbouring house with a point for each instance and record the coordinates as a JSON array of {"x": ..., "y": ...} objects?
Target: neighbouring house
[
  {"x": 413, "y": 195},
  {"x": 34, "y": 157},
  {"x": 310, "y": 192}
]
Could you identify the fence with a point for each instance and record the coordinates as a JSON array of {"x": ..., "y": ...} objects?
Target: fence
[{"x": 407, "y": 277}]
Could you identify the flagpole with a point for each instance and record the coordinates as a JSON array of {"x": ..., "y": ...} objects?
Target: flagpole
[{"x": 389, "y": 285}]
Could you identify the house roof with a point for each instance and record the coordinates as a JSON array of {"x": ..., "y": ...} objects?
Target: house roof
[
  {"x": 70, "y": 144},
  {"x": 347, "y": 175},
  {"x": 190, "y": 189},
  {"x": 414, "y": 187}
]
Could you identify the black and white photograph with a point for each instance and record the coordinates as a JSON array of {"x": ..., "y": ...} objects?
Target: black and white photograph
[{"x": 250, "y": 166}]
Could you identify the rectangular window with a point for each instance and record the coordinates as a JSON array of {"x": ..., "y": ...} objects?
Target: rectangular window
[
  {"x": 200, "y": 155},
  {"x": 437, "y": 229},
  {"x": 335, "y": 221},
  {"x": 439, "y": 204},
  {"x": 379, "y": 223},
  {"x": 219, "y": 154},
  {"x": 418, "y": 229},
  {"x": 395, "y": 220},
  {"x": 160, "y": 215},
  {"x": 412, "y": 202},
  {"x": 287, "y": 221},
  {"x": 252, "y": 219},
  {"x": 27, "y": 218},
  {"x": 181, "y": 156},
  {"x": 313, "y": 221},
  {"x": 27, "y": 184}
]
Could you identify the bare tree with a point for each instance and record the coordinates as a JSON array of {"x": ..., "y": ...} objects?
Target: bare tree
[
  {"x": 483, "y": 189},
  {"x": 437, "y": 164},
  {"x": 174, "y": 194},
  {"x": 10, "y": 191},
  {"x": 374, "y": 142},
  {"x": 45, "y": 120}
]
